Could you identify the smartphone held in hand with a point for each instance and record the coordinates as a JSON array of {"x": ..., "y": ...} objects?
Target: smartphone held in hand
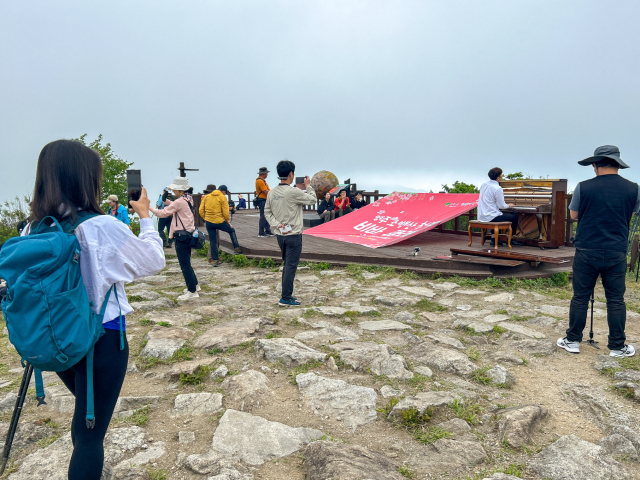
[
  {"x": 285, "y": 229},
  {"x": 134, "y": 186}
]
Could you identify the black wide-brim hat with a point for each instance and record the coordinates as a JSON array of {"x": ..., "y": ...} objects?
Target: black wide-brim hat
[{"x": 605, "y": 152}]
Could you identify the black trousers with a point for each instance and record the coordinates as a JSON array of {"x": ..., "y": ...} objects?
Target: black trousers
[
  {"x": 612, "y": 268},
  {"x": 212, "y": 231},
  {"x": 183, "y": 250},
  {"x": 164, "y": 224},
  {"x": 263, "y": 225},
  {"x": 291, "y": 247},
  {"x": 508, "y": 217},
  {"x": 109, "y": 369}
]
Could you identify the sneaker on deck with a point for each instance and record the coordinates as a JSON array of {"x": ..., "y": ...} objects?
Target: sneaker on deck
[
  {"x": 571, "y": 347},
  {"x": 626, "y": 351},
  {"x": 237, "y": 250},
  {"x": 188, "y": 296},
  {"x": 198, "y": 289},
  {"x": 291, "y": 302},
  {"x": 270, "y": 234}
]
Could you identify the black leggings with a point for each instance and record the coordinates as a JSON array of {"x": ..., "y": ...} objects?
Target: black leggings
[{"x": 109, "y": 369}]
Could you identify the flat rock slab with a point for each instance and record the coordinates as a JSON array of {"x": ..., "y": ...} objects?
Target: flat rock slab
[
  {"x": 307, "y": 279},
  {"x": 423, "y": 400},
  {"x": 379, "y": 359},
  {"x": 476, "y": 326},
  {"x": 381, "y": 325},
  {"x": 216, "y": 311},
  {"x": 144, "y": 457},
  {"x": 420, "y": 291},
  {"x": 570, "y": 458},
  {"x": 469, "y": 292},
  {"x": 250, "y": 389},
  {"x": 288, "y": 350},
  {"x": 163, "y": 342},
  {"x": 145, "y": 295},
  {"x": 500, "y": 298},
  {"x": 254, "y": 440},
  {"x": 474, "y": 314},
  {"x": 190, "y": 367},
  {"x": 444, "y": 359},
  {"x": 516, "y": 425},
  {"x": 158, "y": 304},
  {"x": 501, "y": 376},
  {"x": 352, "y": 404},
  {"x": 134, "y": 403},
  {"x": 628, "y": 375},
  {"x": 396, "y": 301},
  {"x": 331, "y": 311},
  {"x": 330, "y": 333},
  {"x": 446, "y": 286},
  {"x": 196, "y": 404},
  {"x": 618, "y": 446},
  {"x": 52, "y": 462},
  {"x": 534, "y": 347},
  {"x": 542, "y": 321},
  {"x": 604, "y": 362},
  {"x": 437, "y": 317},
  {"x": 495, "y": 318},
  {"x": 58, "y": 397},
  {"x": 176, "y": 319},
  {"x": 325, "y": 460},
  {"x": 153, "y": 279},
  {"x": 446, "y": 454},
  {"x": 506, "y": 357},
  {"x": 230, "y": 334},
  {"x": 553, "y": 310},
  {"x": 446, "y": 340},
  {"x": 522, "y": 330}
]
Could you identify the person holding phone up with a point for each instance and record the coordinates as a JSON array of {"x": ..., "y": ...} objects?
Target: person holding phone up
[{"x": 283, "y": 210}]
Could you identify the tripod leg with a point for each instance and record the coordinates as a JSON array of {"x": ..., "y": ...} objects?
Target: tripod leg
[{"x": 22, "y": 394}]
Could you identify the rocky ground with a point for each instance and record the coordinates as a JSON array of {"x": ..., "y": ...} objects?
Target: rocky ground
[{"x": 379, "y": 375}]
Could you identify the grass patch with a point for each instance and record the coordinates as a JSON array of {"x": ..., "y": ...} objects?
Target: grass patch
[
  {"x": 140, "y": 417},
  {"x": 479, "y": 376},
  {"x": 630, "y": 363},
  {"x": 267, "y": 263},
  {"x": 431, "y": 434},
  {"x": 242, "y": 346},
  {"x": 195, "y": 378},
  {"x": 272, "y": 334},
  {"x": 386, "y": 409},
  {"x": 626, "y": 392},
  {"x": 319, "y": 266},
  {"x": 467, "y": 411},
  {"x": 214, "y": 351},
  {"x": 145, "y": 322},
  {"x": 413, "y": 418},
  {"x": 374, "y": 313},
  {"x": 497, "y": 329},
  {"x": 406, "y": 472},
  {"x": 426, "y": 305},
  {"x": 519, "y": 318},
  {"x": 502, "y": 311},
  {"x": 157, "y": 474},
  {"x": 45, "y": 442},
  {"x": 182, "y": 354},
  {"x": 302, "y": 369},
  {"x": 164, "y": 324},
  {"x": 473, "y": 353},
  {"x": 418, "y": 381},
  {"x": 135, "y": 298}
]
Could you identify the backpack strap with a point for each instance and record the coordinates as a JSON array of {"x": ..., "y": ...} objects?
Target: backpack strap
[
  {"x": 39, "y": 387},
  {"x": 91, "y": 417}
]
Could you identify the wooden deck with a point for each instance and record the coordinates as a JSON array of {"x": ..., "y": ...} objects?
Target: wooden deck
[{"x": 431, "y": 244}]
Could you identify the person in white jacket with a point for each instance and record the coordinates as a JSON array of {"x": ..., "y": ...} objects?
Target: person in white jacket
[{"x": 68, "y": 179}]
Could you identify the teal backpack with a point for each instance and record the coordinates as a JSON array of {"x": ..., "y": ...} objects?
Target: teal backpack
[{"x": 47, "y": 309}]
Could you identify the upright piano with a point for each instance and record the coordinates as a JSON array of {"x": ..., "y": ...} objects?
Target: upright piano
[{"x": 541, "y": 208}]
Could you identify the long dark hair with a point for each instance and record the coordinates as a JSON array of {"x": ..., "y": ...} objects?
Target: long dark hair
[{"x": 68, "y": 178}]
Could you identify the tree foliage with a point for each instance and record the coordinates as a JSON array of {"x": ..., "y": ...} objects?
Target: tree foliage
[
  {"x": 461, "y": 187},
  {"x": 114, "y": 175},
  {"x": 11, "y": 214},
  {"x": 516, "y": 176}
]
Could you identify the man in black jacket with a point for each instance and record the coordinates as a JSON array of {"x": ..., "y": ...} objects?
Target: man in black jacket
[
  {"x": 327, "y": 209},
  {"x": 358, "y": 202},
  {"x": 603, "y": 207}
]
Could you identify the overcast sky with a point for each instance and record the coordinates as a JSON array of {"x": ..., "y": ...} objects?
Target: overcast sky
[{"x": 390, "y": 93}]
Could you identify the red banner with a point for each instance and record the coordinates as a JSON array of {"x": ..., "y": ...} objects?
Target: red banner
[{"x": 396, "y": 217}]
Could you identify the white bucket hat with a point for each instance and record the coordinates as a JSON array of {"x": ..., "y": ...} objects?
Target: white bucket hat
[{"x": 180, "y": 183}]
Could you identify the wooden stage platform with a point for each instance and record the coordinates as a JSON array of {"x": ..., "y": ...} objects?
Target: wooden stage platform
[{"x": 431, "y": 244}]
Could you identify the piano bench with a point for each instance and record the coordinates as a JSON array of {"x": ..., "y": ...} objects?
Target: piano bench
[{"x": 495, "y": 226}]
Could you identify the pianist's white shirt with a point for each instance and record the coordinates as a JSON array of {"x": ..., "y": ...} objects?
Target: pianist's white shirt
[{"x": 491, "y": 201}]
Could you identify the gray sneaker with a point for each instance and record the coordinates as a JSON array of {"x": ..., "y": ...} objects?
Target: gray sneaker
[
  {"x": 626, "y": 351},
  {"x": 571, "y": 347}
]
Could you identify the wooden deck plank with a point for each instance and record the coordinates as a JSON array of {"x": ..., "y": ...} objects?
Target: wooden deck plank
[{"x": 432, "y": 244}]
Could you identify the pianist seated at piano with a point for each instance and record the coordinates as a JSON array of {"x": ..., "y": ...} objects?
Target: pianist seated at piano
[{"x": 491, "y": 201}]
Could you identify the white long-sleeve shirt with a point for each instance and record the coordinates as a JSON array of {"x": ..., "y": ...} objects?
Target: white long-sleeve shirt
[
  {"x": 491, "y": 201},
  {"x": 110, "y": 253}
]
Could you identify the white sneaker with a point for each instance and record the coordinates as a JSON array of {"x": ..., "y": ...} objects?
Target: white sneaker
[
  {"x": 198, "y": 289},
  {"x": 627, "y": 351},
  {"x": 188, "y": 296},
  {"x": 571, "y": 347}
]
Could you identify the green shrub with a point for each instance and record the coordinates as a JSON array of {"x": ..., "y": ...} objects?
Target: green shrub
[{"x": 267, "y": 263}]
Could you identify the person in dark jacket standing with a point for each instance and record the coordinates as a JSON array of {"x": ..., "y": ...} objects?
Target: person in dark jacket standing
[
  {"x": 326, "y": 209},
  {"x": 603, "y": 207}
]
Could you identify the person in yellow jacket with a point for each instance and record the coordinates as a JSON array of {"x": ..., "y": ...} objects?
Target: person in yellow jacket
[{"x": 214, "y": 209}]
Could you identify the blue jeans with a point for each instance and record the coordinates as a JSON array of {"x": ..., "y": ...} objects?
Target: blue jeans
[
  {"x": 211, "y": 230},
  {"x": 612, "y": 268}
]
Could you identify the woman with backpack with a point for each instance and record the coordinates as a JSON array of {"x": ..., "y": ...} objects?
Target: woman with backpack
[
  {"x": 182, "y": 226},
  {"x": 67, "y": 188}
]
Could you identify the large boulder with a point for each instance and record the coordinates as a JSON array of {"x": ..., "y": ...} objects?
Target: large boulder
[
  {"x": 352, "y": 404},
  {"x": 444, "y": 359},
  {"x": 249, "y": 389},
  {"x": 325, "y": 460},
  {"x": 570, "y": 458},
  {"x": 323, "y": 181},
  {"x": 287, "y": 350}
]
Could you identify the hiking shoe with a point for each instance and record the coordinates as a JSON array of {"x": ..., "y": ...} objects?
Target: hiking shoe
[
  {"x": 198, "y": 289},
  {"x": 269, "y": 234},
  {"x": 291, "y": 302},
  {"x": 188, "y": 296},
  {"x": 217, "y": 263},
  {"x": 237, "y": 250},
  {"x": 571, "y": 347},
  {"x": 626, "y": 351},
  {"x": 211, "y": 261},
  {"x": 107, "y": 472}
]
